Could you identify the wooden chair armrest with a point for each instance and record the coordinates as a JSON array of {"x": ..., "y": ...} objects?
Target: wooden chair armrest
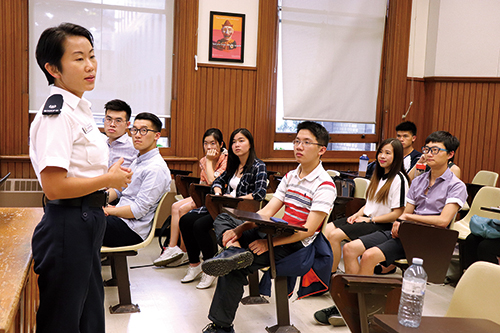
[
  {"x": 419, "y": 223},
  {"x": 198, "y": 193},
  {"x": 214, "y": 204},
  {"x": 182, "y": 184}
]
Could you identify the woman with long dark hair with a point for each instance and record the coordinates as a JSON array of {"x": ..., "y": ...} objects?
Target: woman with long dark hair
[
  {"x": 212, "y": 165},
  {"x": 386, "y": 200},
  {"x": 245, "y": 177}
]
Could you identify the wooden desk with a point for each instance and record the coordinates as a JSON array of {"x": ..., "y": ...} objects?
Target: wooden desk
[
  {"x": 18, "y": 284},
  {"x": 280, "y": 282},
  {"x": 491, "y": 209},
  {"x": 438, "y": 325}
]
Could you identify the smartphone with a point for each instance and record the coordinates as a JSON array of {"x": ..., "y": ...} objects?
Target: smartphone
[{"x": 277, "y": 219}]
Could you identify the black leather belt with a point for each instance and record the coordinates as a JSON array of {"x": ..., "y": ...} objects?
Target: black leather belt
[{"x": 96, "y": 199}]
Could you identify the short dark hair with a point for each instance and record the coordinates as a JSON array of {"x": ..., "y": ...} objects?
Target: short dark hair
[
  {"x": 446, "y": 138},
  {"x": 50, "y": 47},
  {"x": 317, "y": 130},
  {"x": 118, "y": 105},
  {"x": 152, "y": 118},
  {"x": 407, "y": 126}
]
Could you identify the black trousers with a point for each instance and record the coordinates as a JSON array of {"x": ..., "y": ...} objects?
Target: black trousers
[
  {"x": 197, "y": 234},
  {"x": 229, "y": 290},
  {"x": 118, "y": 233},
  {"x": 66, "y": 248},
  {"x": 477, "y": 248}
]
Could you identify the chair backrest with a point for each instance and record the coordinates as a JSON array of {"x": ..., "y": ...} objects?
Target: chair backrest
[
  {"x": 148, "y": 239},
  {"x": 484, "y": 177},
  {"x": 477, "y": 293},
  {"x": 434, "y": 245},
  {"x": 486, "y": 197},
  {"x": 360, "y": 186},
  {"x": 333, "y": 173}
]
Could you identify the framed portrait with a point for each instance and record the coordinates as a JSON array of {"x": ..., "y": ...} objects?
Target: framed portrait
[{"x": 227, "y": 37}]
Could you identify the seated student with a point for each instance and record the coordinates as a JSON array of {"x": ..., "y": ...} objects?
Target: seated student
[
  {"x": 309, "y": 209},
  {"x": 413, "y": 173},
  {"x": 116, "y": 122},
  {"x": 477, "y": 248},
  {"x": 212, "y": 165},
  {"x": 245, "y": 177},
  {"x": 386, "y": 196},
  {"x": 434, "y": 198},
  {"x": 130, "y": 221},
  {"x": 406, "y": 133}
]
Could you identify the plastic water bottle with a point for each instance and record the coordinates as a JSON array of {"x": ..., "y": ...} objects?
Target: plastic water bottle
[
  {"x": 412, "y": 294},
  {"x": 363, "y": 165}
]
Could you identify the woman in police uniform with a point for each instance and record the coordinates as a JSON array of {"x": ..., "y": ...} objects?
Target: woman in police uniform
[{"x": 70, "y": 157}]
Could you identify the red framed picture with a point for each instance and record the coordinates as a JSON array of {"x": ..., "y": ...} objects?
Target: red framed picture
[{"x": 227, "y": 37}]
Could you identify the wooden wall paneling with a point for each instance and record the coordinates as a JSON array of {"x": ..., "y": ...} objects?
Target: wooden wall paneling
[
  {"x": 264, "y": 87},
  {"x": 488, "y": 130},
  {"x": 396, "y": 63},
  {"x": 476, "y": 157},
  {"x": 14, "y": 75},
  {"x": 494, "y": 147}
]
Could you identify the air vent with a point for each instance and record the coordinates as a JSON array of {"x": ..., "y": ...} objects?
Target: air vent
[{"x": 21, "y": 185}]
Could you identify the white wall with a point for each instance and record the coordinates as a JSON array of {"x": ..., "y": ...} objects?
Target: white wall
[
  {"x": 462, "y": 38},
  {"x": 418, "y": 38},
  {"x": 248, "y": 7}
]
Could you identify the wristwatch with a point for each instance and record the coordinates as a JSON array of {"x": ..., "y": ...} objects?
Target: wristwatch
[{"x": 371, "y": 219}]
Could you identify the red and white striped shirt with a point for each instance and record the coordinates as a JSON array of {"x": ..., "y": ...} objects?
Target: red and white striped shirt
[{"x": 315, "y": 192}]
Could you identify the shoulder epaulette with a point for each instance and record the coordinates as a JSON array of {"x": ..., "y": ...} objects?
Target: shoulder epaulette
[{"x": 53, "y": 105}]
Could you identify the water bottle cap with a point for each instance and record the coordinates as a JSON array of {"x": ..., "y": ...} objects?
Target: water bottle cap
[
  {"x": 418, "y": 261},
  {"x": 364, "y": 157}
]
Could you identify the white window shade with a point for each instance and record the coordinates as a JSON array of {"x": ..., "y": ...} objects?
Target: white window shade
[
  {"x": 332, "y": 53},
  {"x": 133, "y": 42}
]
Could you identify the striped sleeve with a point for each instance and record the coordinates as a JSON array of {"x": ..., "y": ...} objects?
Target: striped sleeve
[{"x": 324, "y": 196}]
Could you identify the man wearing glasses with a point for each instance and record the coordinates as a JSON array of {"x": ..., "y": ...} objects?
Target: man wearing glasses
[
  {"x": 116, "y": 122},
  {"x": 307, "y": 193},
  {"x": 130, "y": 221},
  {"x": 434, "y": 198}
]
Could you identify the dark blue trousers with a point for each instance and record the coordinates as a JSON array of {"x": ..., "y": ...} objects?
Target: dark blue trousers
[
  {"x": 229, "y": 290},
  {"x": 66, "y": 251}
]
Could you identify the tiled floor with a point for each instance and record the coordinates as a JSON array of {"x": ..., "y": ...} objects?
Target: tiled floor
[{"x": 169, "y": 306}]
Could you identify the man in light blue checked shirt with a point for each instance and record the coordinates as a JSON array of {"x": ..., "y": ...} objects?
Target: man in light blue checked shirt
[
  {"x": 116, "y": 122},
  {"x": 130, "y": 221}
]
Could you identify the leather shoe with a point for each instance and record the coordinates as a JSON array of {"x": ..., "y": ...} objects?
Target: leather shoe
[{"x": 230, "y": 259}]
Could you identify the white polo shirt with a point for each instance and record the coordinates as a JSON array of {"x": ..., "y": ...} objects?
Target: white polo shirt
[
  {"x": 69, "y": 140},
  {"x": 314, "y": 192},
  {"x": 396, "y": 198}
]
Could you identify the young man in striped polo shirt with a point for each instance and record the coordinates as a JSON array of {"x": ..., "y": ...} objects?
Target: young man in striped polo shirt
[{"x": 308, "y": 194}]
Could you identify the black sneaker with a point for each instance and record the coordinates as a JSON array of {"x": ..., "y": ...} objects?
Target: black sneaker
[
  {"x": 212, "y": 328},
  {"x": 329, "y": 316},
  {"x": 230, "y": 259}
]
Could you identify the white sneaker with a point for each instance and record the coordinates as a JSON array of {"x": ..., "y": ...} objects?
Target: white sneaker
[
  {"x": 206, "y": 281},
  {"x": 192, "y": 273},
  {"x": 181, "y": 261},
  {"x": 169, "y": 254}
]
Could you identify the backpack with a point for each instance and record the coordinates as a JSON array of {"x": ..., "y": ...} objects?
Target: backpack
[
  {"x": 345, "y": 186},
  {"x": 165, "y": 232}
]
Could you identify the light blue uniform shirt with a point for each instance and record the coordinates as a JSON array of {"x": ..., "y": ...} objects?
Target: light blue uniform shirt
[{"x": 151, "y": 179}]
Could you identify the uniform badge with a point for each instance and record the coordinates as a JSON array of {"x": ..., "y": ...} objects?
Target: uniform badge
[
  {"x": 87, "y": 128},
  {"x": 53, "y": 105}
]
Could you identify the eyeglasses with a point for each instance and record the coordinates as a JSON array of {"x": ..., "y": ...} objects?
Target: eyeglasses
[
  {"x": 117, "y": 121},
  {"x": 433, "y": 150},
  {"x": 144, "y": 131},
  {"x": 305, "y": 143}
]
